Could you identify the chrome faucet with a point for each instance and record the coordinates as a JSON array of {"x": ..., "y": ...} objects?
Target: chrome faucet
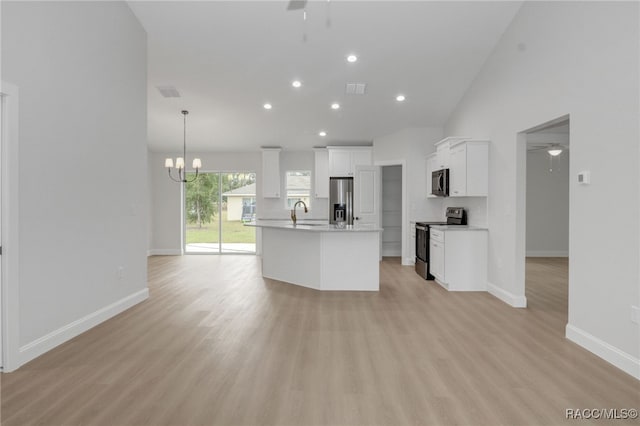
[{"x": 294, "y": 218}]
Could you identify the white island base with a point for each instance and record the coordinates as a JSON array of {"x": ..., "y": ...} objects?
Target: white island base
[{"x": 322, "y": 259}]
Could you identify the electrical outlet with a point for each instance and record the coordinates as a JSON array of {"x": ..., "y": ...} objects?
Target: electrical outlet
[
  {"x": 120, "y": 272},
  {"x": 635, "y": 314}
]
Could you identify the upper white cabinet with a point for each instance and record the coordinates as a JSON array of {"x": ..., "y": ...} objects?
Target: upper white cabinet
[
  {"x": 321, "y": 180},
  {"x": 343, "y": 160},
  {"x": 432, "y": 161},
  {"x": 271, "y": 172},
  {"x": 443, "y": 149},
  {"x": 469, "y": 169},
  {"x": 442, "y": 155}
]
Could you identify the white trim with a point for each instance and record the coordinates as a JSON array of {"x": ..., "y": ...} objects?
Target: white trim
[
  {"x": 548, "y": 253},
  {"x": 604, "y": 350},
  {"x": 45, "y": 343},
  {"x": 164, "y": 252},
  {"x": 10, "y": 222},
  {"x": 507, "y": 297},
  {"x": 408, "y": 261}
]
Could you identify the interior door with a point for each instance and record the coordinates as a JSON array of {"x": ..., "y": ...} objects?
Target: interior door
[{"x": 367, "y": 188}]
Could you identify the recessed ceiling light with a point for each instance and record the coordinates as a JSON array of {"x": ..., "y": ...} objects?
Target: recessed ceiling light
[
  {"x": 267, "y": 106},
  {"x": 322, "y": 133},
  {"x": 335, "y": 105},
  {"x": 400, "y": 98},
  {"x": 352, "y": 58},
  {"x": 296, "y": 83}
]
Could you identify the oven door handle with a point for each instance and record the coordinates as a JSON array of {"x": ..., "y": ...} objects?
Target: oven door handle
[{"x": 421, "y": 228}]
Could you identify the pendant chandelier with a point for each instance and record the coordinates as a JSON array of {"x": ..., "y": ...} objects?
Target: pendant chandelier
[{"x": 180, "y": 161}]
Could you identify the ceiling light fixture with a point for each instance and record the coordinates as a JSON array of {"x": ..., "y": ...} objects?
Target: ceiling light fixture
[
  {"x": 322, "y": 133},
  {"x": 352, "y": 58},
  {"x": 335, "y": 105},
  {"x": 168, "y": 163},
  {"x": 296, "y": 83},
  {"x": 267, "y": 106},
  {"x": 400, "y": 98},
  {"x": 554, "y": 151}
]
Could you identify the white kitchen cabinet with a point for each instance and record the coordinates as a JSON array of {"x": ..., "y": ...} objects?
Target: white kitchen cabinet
[
  {"x": 436, "y": 252},
  {"x": 343, "y": 160},
  {"x": 469, "y": 169},
  {"x": 442, "y": 155},
  {"x": 443, "y": 151},
  {"x": 458, "y": 258},
  {"x": 431, "y": 165},
  {"x": 271, "y": 172},
  {"x": 321, "y": 179}
]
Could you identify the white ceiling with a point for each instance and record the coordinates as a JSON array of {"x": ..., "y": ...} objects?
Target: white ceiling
[{"x": 228, "y": 58}]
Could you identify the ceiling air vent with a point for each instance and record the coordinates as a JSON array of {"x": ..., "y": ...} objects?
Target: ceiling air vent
[
  {"x": 355, "y": 88},
  {"x": 168, "y": 91}
]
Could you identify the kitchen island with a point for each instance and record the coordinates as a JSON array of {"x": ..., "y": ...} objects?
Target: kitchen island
[{"x": 321, "y": 256}]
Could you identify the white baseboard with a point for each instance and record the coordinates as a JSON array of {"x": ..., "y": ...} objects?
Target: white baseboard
[
  {"x": 609, "y": 353},
  {"x": 45, "y": 343},
  {"x": 547, "y": 253},
  {"x": 408, "y": 261},
  {"x": 507, "y": 297},
  {"x": 164, "y": 252}
]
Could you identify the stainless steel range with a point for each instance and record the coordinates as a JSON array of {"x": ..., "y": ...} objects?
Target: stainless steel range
[{"x": 455, "y": 216}]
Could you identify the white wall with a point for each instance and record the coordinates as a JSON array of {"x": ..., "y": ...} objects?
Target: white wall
[
  {"x": 411, "y": 146},
  {"x": 81, "y": 72},
  {"x": 581, "y": 59},
  {"x": 392, "y": 210},
  {"x": 547, "y": 205}
]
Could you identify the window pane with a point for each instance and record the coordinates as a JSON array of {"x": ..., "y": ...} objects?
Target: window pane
[
  {"x": 238, "y": 207},
  {"x": 298, "y": 187}
]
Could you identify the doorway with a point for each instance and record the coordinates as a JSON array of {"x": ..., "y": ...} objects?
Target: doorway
[
  {"x": 392, "y": 211},
  {"x": 216, "y": 207},
  {"x": 547, "y": 219}
]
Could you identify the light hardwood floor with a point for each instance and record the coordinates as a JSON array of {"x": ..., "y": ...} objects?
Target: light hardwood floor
[{"x": 216, "y": 344}]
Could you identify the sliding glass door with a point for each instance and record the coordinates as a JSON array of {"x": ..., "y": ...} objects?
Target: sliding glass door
[{"x": 217, "y": 205}]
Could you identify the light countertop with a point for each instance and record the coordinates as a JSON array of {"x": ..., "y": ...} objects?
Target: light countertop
[
  {"x": 458, "y": 228},
  {"x": 313, "y": 226}
]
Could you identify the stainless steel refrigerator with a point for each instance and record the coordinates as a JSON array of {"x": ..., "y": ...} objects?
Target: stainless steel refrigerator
[{"x": 341, "y": 200}]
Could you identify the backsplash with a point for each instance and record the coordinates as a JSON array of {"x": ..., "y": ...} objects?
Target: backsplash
[{"x": 476, "y": 208}]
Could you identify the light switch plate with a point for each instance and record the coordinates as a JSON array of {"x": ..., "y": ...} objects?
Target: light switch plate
[
  {"x": 584, "y": 177},
  {"x": 635, "y": 314}
]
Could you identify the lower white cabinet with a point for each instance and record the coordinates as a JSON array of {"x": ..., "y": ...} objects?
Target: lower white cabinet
[
  {"x": 458, "y": 258},
  {"x": 437, "y": 259}
]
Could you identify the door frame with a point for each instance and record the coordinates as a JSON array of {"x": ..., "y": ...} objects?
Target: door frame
[
  {"x": 184, "y": 219},
  {"x": 520, "y": 301},
  {"x": 10, "y": 221},
  {"x": 406, "y": 260}
]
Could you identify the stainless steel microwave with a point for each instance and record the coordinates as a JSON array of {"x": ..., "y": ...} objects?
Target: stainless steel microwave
[{"x": 440, "y": 183}]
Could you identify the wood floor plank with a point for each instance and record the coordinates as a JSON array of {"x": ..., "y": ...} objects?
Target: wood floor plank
[{"x": 217, "y": 344}]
